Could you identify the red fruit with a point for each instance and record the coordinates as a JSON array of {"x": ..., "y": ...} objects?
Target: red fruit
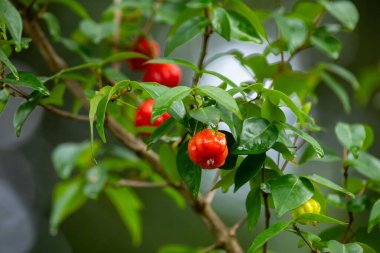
[
  {"x": 208, "y": 149},
  {"x": 144, "y": 114},
  {"x": 146, "y": 47},
  {"x": 166, "y": 74}
]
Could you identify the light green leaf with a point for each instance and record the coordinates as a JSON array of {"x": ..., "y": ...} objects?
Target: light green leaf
[
  {"x": 53, "y": 25},
  {"x": 366, "y": 164},
  {"x": 325, "y": 42},
  {"x": 293, "y": 31},
  {"x": 354, "y": 136},
  {"x": 329, "y": 184},
  {"x": 128, "y": 206},
  {"x": 221, "y": 22},
  {"x": 344, "y": 11},
  {"x": 161, "y": 130},
  {"x": 186, "y": 32},
  {"x": 67, "y": 198},
  {"x": 74, "y": 6},
  {"x": 26, "y": 79},
  {"x": 241, "y": 28},
  {"x": 339, "y": 91},
  {"x": 343, "y": 73},
  {"x": 96, "y": 32},
  {"x": 337, "y": 247},
  {"x": 320, "y": 218},
  {"x": 317, "y": 147},
  {"x": 166, "y": 99},
  {"x": 267, "y": 234},
  {"x": 220, "y": 76},
  {"x": 222, "y": 97},
  {"x": 374, "y": 217},
  {"x": 4, "y": 96},
  {"x": 208, "y": 115},
  {"x": 56, "y": 96},
  {"x": 96, "y": 179},
  {"x": 8, "y": 63},
  {"x": 154, "y": 90},
  {"x": 12, "y": 19},
  {"x": 290, "y": 192}
]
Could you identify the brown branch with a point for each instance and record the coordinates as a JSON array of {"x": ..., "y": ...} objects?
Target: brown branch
[
  {"x": 238, "y": 225},
  {"x": 298, "y": 232},
  {"x": 136, "y": 145},
  {"x": 140, "y": 184}
]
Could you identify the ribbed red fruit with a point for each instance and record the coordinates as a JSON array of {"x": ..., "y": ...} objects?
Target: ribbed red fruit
[
  {"x": 144, "y": 114},
  {"x": 208, "y": 149},
  {"x": 166, "y": 74},
  {"x": 146, "y": 47}
]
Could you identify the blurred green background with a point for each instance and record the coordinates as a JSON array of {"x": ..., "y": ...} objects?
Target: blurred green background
[{"x": 27, "y": 173}]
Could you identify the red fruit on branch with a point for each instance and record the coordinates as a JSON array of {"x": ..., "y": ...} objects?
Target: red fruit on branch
[
  {"x": 166, "y": 74},
  {"x": 146, "y": 47},
  {"x": 144, "y": 114},
  {"x": 208, "y": 149}
]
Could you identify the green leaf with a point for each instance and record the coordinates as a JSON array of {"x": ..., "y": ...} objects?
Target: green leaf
[
  {"x": 153, "y": 89},
  {"x": 209, "y": 115},
  {"x": 338, "y": 90},
  {"x": 221, "y": 22},
  {"x": 168, "y": 160},
  {"x": 337, "y": 247},
  {"x": 253, "y": 207},
  {"x": 186, "y": 32},
  {"x": 178, "y": 61},
  {"x": 374, "y": 217},
  {"x": 8, "y": 63},
  {"x": 329, "y": 184},
  {"x": 189, "y": 172},
  {"x": 354, "y": 136},
  {"x": 160, "y": 131},
  {"x": 325, "y": 42},
  {"x": 231, "y": 159},
  {"x": 308, "y": 11},
  {"x": 366, "y": 248},
  {"x": 4, "y": 96},
  {"x": 317, "y": 147},
  {"x": 67, "y": 198},
  {"x": 367, "y": 165},
  {"x": 53, "y": 25},
  {"x": 12, "y": 19},
  {"x": 249, "y": 168},
  {"x": 260, "y": 66},
  {"x": 244, "y": 10},
  {"x": 241, "y": 28},
  {"x": 56, "y": 96},
  {"x": 343, "y": 73},
  {"x": 222, "y": 97},
  {"x": 25, "y": 110},
  {"x": 257, "y": 136},
  {"x": 122, "y": 56},
  {"x": 290, "y": 192},
  {"x": 65, "y": 156},
  {"x": 96, "y": 180},
  {"x": 293, "y": 31},
  {"x": 267, "y": 234},
  {"x": 165, "y": 100},
  {"x": 320, "y": 218},
  {"x": 96, "y": 32},
  {"x": 226, "y": 181},
  {"x": 344, "y": 11},
  {"x": 276, "y": 96},
  {"x": 234, "y": 123},
  {"x": 26, "y": 79},
  {"x": 128, "y": 206},
  {"x": 272, "y": 112},
  {"x": 220, "y": 76},
  {"x": 74, "y": 6}
]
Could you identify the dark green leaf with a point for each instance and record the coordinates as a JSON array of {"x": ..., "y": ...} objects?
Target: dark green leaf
[
  {"x": 329, "y": 184},
  {"x": 343, "y": 73},
  {"x": 344, "y": 11},
  {"x": 366, "y": 248},
  {"x": 249, "y": 168},
  {"x": 337, "y": 247},
  {"x": 65, "y": 156},
  {"x": 253, "y": 207},
  {"x": 221, "y": 22},
  {"x": 12, "y": 19},
  {"x": 208, "y": 115},
  {"x": 67, "y": 198},
  {"x": 56, "y": 96},
  {"x": 272, "y": 112},
  {"x": 53, "y": 25},
  {"x": 234, "y": 123},
  {"x": 374, "y": 217},
  {"x": 290, "y": 192},
  {"x": 186, "y": 32},
  {"x": 26, "y": 79},
  {"x": 339, "y": 91},
  {"x": 325, "y": 42},
  {"x": 257, "y": 136},
  {"x": 128, "y": 206},
  {"x": 74, "y": 6},
  {"x": 25, "y": 110},
  {"x": 8, "y": 63},
  {"x": 317, "y": 147},
  {"x": 367, "y": 165},
  {"x": 168, "y": 161},
  {"x": 160, "y": 131},
  {"x": 190, "y": 172},
  {"x": 241, "y": 28},
  {"x": 222, "y": 97},
  {"x": 226, "y": 181},
  {"x": 267, "y": 234},
  {"x": 231, "y": 159},
  {"x": 163, "y": 102},
  {"x": 318, "y": 217},
  {"x": 4, "y": 96}
]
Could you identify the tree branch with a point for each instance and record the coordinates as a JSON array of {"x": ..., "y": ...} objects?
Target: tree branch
[
  {"x": 55, "y": 62},
  {"x": 267, "y": 210},
  {"x": 298, "y": 232}
]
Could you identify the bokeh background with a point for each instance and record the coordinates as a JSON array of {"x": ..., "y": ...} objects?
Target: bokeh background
[{"x": 27, "y": 177}]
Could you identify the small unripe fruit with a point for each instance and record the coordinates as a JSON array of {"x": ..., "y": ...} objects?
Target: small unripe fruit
[
  {"x": 146, "y": 47},
  {"x": 144, "y": 114},
  {"x": 311, "y": 206},
  {"x": 166, "y": 74},
  {"x": 208, "y": 149}
]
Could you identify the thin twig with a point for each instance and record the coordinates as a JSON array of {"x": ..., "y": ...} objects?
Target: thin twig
[
  {"x": 344, "y": 238},
  {"x": 298, "y": 231},
  {"x": 140, "y": 184},
  {"x": 238, "y": 225},
  {"x": 267, "y": 210},
  {"x": 149, "y": 23}
]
